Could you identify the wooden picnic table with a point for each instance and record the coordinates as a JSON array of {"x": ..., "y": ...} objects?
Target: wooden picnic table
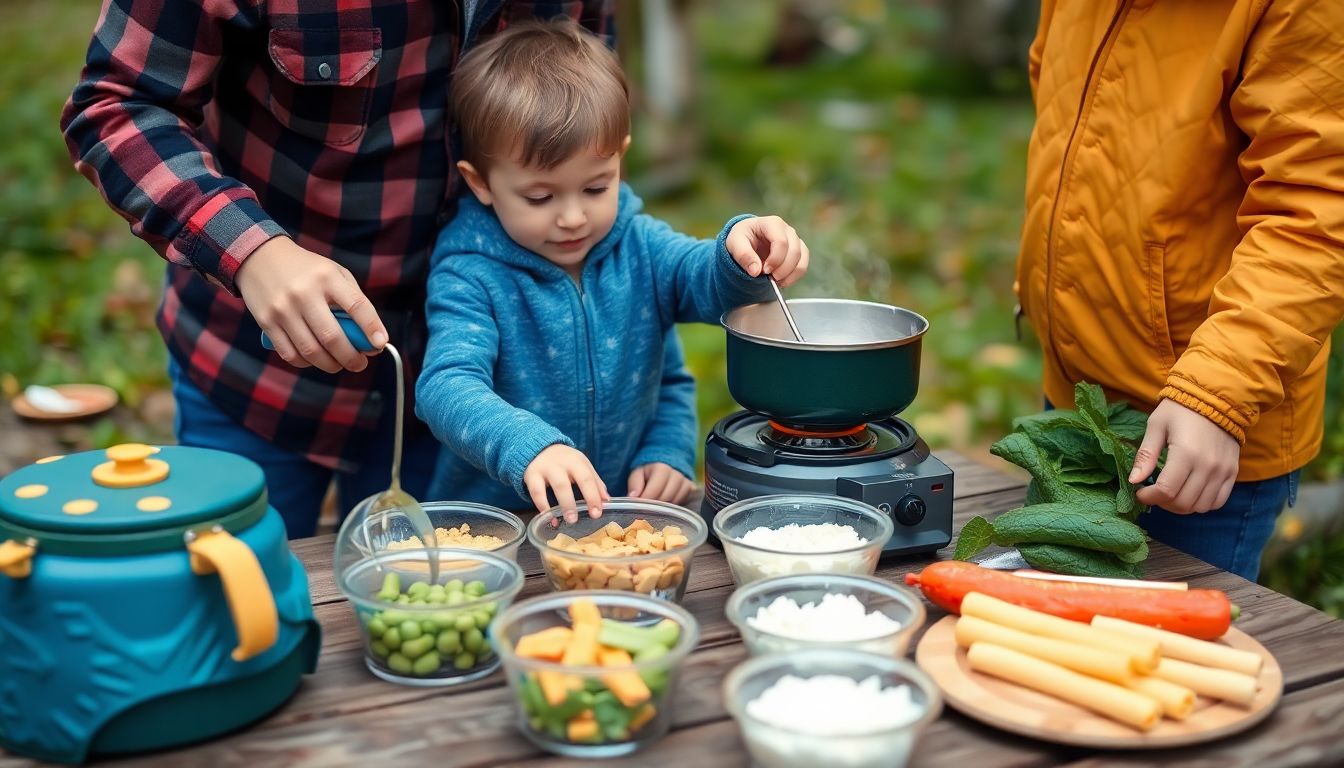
[{"x": 343, "y": 715}]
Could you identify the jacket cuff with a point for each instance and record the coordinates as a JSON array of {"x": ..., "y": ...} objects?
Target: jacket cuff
[
  {"x": 1206, "y": 405},
  {"x": 219, "y": 237},
  {"x": 523, "y": 451}
]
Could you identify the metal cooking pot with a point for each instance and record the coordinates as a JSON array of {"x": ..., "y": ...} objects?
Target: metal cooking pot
[{"x": 859, "y": 361}]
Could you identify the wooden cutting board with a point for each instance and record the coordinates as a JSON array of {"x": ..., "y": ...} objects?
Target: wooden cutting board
[{"x": 1013, "y": 708}]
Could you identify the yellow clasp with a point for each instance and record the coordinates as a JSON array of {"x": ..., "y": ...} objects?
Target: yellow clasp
[{"x": 16, "y": 558}]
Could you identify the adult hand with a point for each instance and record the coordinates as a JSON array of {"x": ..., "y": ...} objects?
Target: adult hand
[
  {"x": 768, "y": 245},
  {"x": 1201, "y": 463},
  {"x": 291, "y": 291},
  {"x": 660, "y": 482},
  {"x": 560, "y": 468}
]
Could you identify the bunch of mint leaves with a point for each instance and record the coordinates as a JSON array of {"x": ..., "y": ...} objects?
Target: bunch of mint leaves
[{"x": 1080, "y": 511}]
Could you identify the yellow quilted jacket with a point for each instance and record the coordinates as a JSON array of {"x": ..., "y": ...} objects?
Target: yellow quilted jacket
[{"x": 1184, "y": 235}]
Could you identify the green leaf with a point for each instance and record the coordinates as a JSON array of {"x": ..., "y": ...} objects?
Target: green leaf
[
  {"x": 1065, "y": 524},
  {"x": 1137, "y": 555},
  {"x": 1091, "y": 402},
  {"x": 975, "y": 536},
  {"x": 1127, "y": 423},
  {"x": 1078, "y": 562},
  {"x": 1063, "y": 435},
  {"x": 1087, "y": 476}
]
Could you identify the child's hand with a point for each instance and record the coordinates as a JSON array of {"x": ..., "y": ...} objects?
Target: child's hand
[
  {"x": 1201, "y": 460},
  {"x": 290, "y": 291},
  {"x": 660, "y": 482},
  {"x": 768, "y": 243},
  {"x": 561, "y": 467}
]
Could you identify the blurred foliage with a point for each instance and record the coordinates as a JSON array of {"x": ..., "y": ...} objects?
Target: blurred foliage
[
  {"x": 1310, "y": 567},
  {"x": 77, "y": 291}
]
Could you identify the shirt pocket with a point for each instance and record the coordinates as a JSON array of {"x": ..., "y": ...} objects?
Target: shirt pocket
[{"x": 325, "y": 80}]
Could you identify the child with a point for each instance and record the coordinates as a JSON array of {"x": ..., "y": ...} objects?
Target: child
[
  {"x": 1184, "y": 243},
  {"x": 552, "y": 362}
]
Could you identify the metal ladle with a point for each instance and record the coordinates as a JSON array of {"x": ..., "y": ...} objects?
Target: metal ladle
[
  {"x": 385, "y": 504},
  {"x": 784, "y": 305}
]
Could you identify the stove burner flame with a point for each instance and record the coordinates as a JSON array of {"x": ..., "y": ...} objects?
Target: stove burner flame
[{"x": 846, "y": 440}]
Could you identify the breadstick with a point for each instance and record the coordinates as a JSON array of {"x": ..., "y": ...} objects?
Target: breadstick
[
  {"x": 1185, "y": 648},
  {"x": 1214, "y": 683},
  {"x": 1104, "y": 698},
  {"x": 1177, "y": 701},
  {"x": 1097, "y": 662},
  {"x": 1142, "y": 654}
]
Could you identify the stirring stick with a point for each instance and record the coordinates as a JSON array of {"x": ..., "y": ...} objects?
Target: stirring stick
[{"x": 784, "y": 305}]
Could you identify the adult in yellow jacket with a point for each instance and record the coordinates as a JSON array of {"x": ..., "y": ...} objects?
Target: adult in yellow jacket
[{"x": 1184, "y": 242}]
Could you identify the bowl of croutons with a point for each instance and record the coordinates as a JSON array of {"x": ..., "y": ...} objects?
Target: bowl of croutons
[{"x": 637, "y": 545}]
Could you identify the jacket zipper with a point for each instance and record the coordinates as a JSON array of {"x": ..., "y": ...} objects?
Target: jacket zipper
[
  {"x": 1112, "y": 32},
  {"x": 591, "y": 388}
]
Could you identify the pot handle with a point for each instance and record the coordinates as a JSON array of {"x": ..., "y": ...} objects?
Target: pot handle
[
  {"x": 250, "y": 599},
  {"x": 16, "y": 558}
]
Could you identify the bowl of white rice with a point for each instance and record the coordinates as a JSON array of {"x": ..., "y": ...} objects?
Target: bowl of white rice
[{"x": 783, "y": 534}]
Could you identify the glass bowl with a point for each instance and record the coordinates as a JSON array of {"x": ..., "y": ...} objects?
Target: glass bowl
[
  {"x": 420, "y": 633},
  {"x": 367, "y": 531},
  {"x": 750, "y": 562},
  {"x": 795, "y": 746},
  {"x": 659, "y": 573},
  {"x": 623, "y": 725},
  {"x": 895, "y": 602}
]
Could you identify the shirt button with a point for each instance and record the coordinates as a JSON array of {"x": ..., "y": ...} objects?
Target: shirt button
[{"x": 324, "y": 70}]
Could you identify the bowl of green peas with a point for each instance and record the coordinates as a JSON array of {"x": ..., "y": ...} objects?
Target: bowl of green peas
[{"x": 426, "y": 629}]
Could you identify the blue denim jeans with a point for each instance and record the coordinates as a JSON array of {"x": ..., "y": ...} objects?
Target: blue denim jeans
[
  {"x": 1233, "y": 536},
  {"x": 295, "y": 485}
]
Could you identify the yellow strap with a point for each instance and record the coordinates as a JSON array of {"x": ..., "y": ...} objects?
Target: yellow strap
[
  {"x": 245, "y": 587},
  {"x": 16, "y": 559}
]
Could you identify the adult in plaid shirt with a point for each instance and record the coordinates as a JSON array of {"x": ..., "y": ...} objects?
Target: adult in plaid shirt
[{"x": 286, "y": 157}]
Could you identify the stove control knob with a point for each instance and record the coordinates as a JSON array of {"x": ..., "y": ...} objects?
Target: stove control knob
[{"x": 910, "y": 510}]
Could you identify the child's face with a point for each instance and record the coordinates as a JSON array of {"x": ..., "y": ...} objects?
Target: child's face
[{"x": 559, "y": 213}]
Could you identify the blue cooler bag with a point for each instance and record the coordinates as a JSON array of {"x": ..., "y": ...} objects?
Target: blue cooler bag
[{"x": 148, "y": 599}]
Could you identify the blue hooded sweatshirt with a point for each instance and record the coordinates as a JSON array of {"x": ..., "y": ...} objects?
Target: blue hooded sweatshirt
[{"x": 521, "y": 356}]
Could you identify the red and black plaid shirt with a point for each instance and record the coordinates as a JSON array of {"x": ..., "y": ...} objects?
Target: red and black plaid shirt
[{"x": 215, "y": 125}]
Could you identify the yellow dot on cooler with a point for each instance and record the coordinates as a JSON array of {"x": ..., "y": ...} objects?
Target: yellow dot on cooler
[
  {"x": 79, "y": 507},
  {"x": 48, "y": 459},
  {"x": 30, "y": 491},
  {"x": 153, "y": 504}
]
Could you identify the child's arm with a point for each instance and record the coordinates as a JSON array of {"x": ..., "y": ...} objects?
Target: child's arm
[
  {"x": 1284, "y": 292},
  {"x": 671, "y": 436},
  {"x": 698, "y": 280},
  {"x": 455, "y": 396}
]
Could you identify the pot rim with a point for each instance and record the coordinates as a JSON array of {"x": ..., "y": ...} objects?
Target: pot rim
[{"x": 725, "y": 321}]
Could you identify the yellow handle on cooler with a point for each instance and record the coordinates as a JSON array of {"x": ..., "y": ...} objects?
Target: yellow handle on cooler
[{"x": 250, "y": 598}]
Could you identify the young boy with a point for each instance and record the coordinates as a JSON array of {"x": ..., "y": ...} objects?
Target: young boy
[
  {"x": 1184, "y": 243},
  {"x": 551, "y": 295}
]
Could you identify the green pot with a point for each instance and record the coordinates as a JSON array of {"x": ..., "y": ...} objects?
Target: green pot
[{"x": 858, "y": 361}]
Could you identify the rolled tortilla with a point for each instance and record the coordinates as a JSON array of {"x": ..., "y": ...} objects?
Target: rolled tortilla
[
  {"x": 1097, "y": 662},
  {"x": 1142, "y": 654},
  {"x": 1185, "y": 648},
  {"x": 1107, "y": 699},
  {"x": 1177, "y": 701},
  {"x": 1215, "y": 683}
]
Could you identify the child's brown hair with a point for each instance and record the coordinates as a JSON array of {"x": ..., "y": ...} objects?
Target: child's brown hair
[{"x": 543, "y": 90}]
